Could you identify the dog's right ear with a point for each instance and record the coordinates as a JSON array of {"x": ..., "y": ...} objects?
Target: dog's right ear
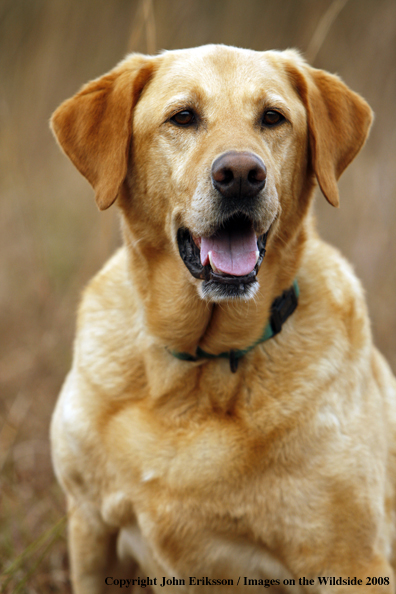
[
  {"x": 338, "y": 121},
  {"x": 94, "y": 127}
]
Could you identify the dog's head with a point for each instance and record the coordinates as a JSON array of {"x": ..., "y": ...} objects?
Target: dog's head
[{"x": 212, "y": 152}]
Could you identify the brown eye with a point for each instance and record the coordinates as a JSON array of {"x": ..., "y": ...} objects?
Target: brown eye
[
  {"x": 272, "y": 118},
  {"x": 183, "y": 118}
]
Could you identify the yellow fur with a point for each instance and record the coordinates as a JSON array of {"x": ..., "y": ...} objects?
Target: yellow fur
[{"x": 285, "y": 468}]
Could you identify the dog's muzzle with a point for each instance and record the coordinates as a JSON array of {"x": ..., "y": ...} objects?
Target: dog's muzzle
[{"x": 228, "y": 260}]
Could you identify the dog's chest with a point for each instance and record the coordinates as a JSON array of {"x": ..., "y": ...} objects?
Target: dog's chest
[
  {"x": 183, "y": 454},
  {"x": 198, "y": 489},
  {"x": 206, "y": 461}
]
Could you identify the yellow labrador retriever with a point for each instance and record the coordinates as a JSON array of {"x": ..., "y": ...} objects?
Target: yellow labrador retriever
[{"x": 227, "y": 424}]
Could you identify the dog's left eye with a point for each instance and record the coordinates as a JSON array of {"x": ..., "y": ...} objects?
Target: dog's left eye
[
  {"x": 184, "y": 118},
  {"x": 272, "y": 118}
]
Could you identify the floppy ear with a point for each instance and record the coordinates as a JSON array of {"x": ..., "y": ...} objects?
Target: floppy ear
[
  {"x": 94, "y": 127},
  {"x": 338, "y": 121}
]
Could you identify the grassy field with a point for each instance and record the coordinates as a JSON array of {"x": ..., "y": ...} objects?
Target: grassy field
[{"x": 53, "y": 239}]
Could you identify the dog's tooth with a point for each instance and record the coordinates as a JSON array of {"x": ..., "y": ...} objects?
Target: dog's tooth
[
  {"x": 213, "y": 267},
  {"x": 257, "y": 255}
]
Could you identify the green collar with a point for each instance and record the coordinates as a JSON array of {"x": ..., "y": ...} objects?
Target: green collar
[{"x": 281, "y": 308}]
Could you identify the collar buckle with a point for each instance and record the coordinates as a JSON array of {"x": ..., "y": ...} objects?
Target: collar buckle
[
  {"x": 282, "y": 307},
  {"x": 234, "y": 360}
]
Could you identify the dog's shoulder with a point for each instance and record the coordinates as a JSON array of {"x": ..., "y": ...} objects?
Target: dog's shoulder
[
  {"x": 332, "y": 291},
  {"x": 331, "y": 323},
  {"x": 111, "y": 330},
  {"x": 107, "y": 366},
  {"x": 110, "y": 293}
]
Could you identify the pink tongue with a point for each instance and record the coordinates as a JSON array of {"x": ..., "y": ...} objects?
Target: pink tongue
[{"x": 232, "y": 253}]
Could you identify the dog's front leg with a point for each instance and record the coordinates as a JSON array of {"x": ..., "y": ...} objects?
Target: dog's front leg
[{"x": 92, "y": 551}]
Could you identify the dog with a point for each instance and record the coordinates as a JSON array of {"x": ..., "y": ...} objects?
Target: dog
[{"x": 227, "y": 421}]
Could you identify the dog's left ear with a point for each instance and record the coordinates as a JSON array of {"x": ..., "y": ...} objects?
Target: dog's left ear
[
  {"x": 338, "y": 120},
  {"x": 94, "y": 127}
]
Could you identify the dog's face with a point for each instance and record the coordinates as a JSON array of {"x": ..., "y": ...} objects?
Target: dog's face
[
  {"x": 220, "y": 165},
  {"x": 213, "y": 152}
]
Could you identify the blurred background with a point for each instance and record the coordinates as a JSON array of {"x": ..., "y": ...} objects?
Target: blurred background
[{"x": 53, "y": 238}]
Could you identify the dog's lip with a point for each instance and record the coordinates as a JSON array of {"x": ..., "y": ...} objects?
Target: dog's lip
[
  {"x": 190, "y": 244},
  {"x": 232, "y": 249}
]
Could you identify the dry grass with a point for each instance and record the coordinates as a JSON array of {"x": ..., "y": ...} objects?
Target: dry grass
[{"x": 53, "y": 239}]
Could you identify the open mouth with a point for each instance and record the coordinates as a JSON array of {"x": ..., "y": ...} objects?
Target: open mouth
[{"x": 228, "y": 261}]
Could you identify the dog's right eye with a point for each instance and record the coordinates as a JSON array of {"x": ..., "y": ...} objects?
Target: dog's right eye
[
  {"x": 272, "y": 118},
  {"x": 183, "y": 118}
]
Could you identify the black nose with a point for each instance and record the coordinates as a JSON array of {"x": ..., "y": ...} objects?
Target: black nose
[{"x": 238, "y": 174}]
